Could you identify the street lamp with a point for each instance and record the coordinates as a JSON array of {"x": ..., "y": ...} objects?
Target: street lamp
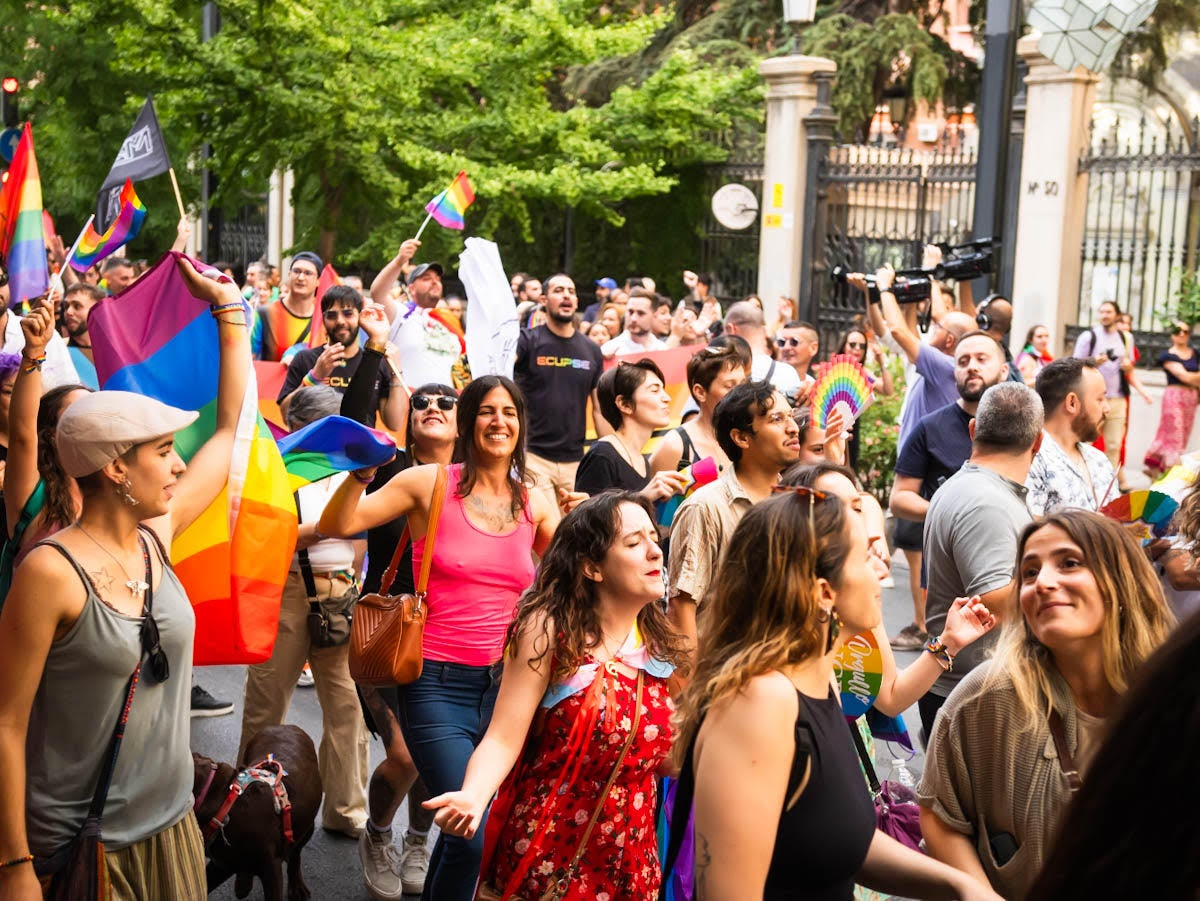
[{"x": 798, "y": 12}]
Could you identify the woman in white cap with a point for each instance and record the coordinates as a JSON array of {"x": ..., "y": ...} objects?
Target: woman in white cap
[{"x": 91, "y": 608}]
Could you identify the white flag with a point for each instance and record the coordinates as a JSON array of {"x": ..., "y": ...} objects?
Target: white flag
[{"x": 492, "y": 329}]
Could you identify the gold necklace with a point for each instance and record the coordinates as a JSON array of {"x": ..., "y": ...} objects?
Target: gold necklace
[{"x": 136, "y": 586}]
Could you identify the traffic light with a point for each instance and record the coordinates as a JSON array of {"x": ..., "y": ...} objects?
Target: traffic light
[{"x": 9, "y": 86}]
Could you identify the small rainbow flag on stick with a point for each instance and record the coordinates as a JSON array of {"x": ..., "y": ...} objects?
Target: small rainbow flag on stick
[
  {"x": 449, "y": 206},
  {"x": 92, "y": 246},
  {"x": 22, "y": 244}
]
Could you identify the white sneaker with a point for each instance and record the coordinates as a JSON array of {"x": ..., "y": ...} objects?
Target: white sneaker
[
  {"x": 414, "y": 864},
  {"x": 381, "y": 865}
]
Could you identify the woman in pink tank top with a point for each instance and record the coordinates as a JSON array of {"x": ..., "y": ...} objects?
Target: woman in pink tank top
[{"x": 482, "y": 561}]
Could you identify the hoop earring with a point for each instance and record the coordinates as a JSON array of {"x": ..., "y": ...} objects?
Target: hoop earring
[{"x": 124, "y": 492}]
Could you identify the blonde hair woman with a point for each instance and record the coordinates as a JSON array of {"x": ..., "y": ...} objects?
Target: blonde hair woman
[
  {"x": 763, "y": 727},
  {"x": 1009, "y": 745}
]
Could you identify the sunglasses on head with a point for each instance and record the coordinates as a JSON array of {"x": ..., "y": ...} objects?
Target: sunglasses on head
[{"x": 444, "y": 401}]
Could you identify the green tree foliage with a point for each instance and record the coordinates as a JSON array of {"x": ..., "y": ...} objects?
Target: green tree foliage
[{"x": 376, "y": 104}]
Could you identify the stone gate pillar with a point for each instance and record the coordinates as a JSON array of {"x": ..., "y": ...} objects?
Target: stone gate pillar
[
  {"x": 791, "y": 96},
  {"x": 1050, "y": 218}
]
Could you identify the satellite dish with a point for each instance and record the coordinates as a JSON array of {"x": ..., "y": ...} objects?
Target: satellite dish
[{"x": 735, "y": 206}]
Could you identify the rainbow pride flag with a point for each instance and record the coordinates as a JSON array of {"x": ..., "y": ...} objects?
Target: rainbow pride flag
[
  {"x": 332, "y": 445},
  {"x": 22, "y": 244},
  {"x": 448, "y": 208},
  {"x": 158, "y": 340},
  {"x": 94, "y": 247}
]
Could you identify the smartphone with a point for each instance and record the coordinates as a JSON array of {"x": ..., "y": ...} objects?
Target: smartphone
[{"x": 1004, "y": 847}]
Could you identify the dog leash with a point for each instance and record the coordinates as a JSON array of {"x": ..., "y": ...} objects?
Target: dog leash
[
  {"x": 269, "y": 772},
  {"x": 212, "y": 772}
]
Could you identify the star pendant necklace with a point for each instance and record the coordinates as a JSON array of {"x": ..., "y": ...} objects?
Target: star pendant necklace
[{"x": 136, "y": 587}]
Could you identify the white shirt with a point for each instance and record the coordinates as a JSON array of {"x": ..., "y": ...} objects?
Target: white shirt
[
  {"x": 329, "y": 554},
  {"x": 624, "y": 344},
  {"x": 1055, "y": 484},
  {"x": 785, "y": 378},
  {"x": 58, "y": 368},
  {"x": 428, "y": 350}
]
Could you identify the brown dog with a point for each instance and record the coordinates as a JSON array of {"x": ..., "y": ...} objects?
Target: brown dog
[{"x": 252, "y": 843}]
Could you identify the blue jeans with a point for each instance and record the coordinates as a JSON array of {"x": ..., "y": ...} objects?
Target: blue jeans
[{"x": 443, "y": 716}]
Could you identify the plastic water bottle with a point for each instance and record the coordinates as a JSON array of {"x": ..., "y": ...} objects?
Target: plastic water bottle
[{"x": 901, "y": 773}]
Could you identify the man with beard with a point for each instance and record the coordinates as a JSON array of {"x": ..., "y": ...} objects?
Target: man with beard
[
  {"x": 637, "y": 337},
  {"x": 1068, "y": 471},
  {"x": 335, "y": 363},
  {"x": 557, "y": 369},
  {"x": 79, "y": 300},
  {"x": 426, "y": 341},
  {"x": 939, "y": 446}
]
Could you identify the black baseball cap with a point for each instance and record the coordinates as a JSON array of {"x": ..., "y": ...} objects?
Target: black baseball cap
[{"x": 418, "y": 271}]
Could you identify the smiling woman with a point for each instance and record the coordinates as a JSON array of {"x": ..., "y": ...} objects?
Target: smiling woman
[
  {"x": 481, "y": 562},
  {"x": 1091, "y": 611}
]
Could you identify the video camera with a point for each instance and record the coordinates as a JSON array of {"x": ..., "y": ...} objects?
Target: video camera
[
  {"x": 962, "y": 262},
  {"x": 907, "y": 289}
]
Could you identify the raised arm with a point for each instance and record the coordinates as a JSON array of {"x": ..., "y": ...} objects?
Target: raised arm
[
  {"x": 406, "y": 494},
  {"x": 393, "y": 408},
  {"x": 208, "y": 470},
  {"x": 381, "y": 288},
  {"x": 966, "y": 620},
  {"x": 21, "y": 470},
  {"x": 521, "y": 690},
  {"x": 893, "y": 318}
]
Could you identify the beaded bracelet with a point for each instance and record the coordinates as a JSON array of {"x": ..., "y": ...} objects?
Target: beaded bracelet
[
  {"x": 16, "y": 861},
  {"x": 34, "y": 364}
]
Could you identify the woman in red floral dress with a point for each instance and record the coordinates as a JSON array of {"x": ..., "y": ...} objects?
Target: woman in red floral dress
[{"x": 582, "y": 723}]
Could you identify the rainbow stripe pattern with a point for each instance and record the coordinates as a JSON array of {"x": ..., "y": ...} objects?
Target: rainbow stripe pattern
[
  {"x": 94, "y": 247},
  {"x": 1147, "y": 514},
  {"x": 158, "y": 340},
  {"x": 332, "y": 445},
  {"x": 842, "y": 381},
  {"x": 22, "y": 243},
  {"x": 448, "y": 208}
]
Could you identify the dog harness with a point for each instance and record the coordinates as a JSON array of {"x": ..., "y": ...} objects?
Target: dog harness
[{"x": 269, "y": 772}]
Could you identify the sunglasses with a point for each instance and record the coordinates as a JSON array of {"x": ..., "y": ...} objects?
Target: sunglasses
[
  {"x": 160, "y": 667},
  {"x": 787, "y": 342},
  {"x": 445, "y": 402},
  {"x": 856, "y": 345}
]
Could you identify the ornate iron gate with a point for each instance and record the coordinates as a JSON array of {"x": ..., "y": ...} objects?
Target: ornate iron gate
[
  {"x": 730, "y": 256},
  {"x": 881, "y": 205},
  {"x": 1142, "y": 224}
]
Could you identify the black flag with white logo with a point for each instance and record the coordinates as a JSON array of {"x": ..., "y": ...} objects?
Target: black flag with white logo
[{"x": 143, "y": 154}]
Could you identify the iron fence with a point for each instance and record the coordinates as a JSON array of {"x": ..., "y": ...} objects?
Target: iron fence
[
  {"x": 729, "y": 255},
  {"x": 881, "y": 205},
  {"x": 1142, "y": 220}
]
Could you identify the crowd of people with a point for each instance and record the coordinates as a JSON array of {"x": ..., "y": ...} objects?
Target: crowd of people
[{"x": 598, "y": 628}]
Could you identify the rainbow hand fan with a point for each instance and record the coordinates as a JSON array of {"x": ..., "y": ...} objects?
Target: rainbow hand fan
[
  {"x": 1147, "y": 514},
  {"x": 859, "y": 670},
  {"x": 843, "y": 383}
]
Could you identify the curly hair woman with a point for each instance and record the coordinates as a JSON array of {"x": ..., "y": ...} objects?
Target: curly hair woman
[
  {"x": 585, "y": 695},
  {"x": 765, "y": 728}
]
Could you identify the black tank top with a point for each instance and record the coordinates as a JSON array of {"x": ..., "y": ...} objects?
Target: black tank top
[
  {"x": 689, "y": 454},
  {"x": 823, "y": 838}
]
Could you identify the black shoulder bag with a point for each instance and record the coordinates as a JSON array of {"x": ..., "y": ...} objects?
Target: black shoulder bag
[{"x": 328, "y": 620}]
